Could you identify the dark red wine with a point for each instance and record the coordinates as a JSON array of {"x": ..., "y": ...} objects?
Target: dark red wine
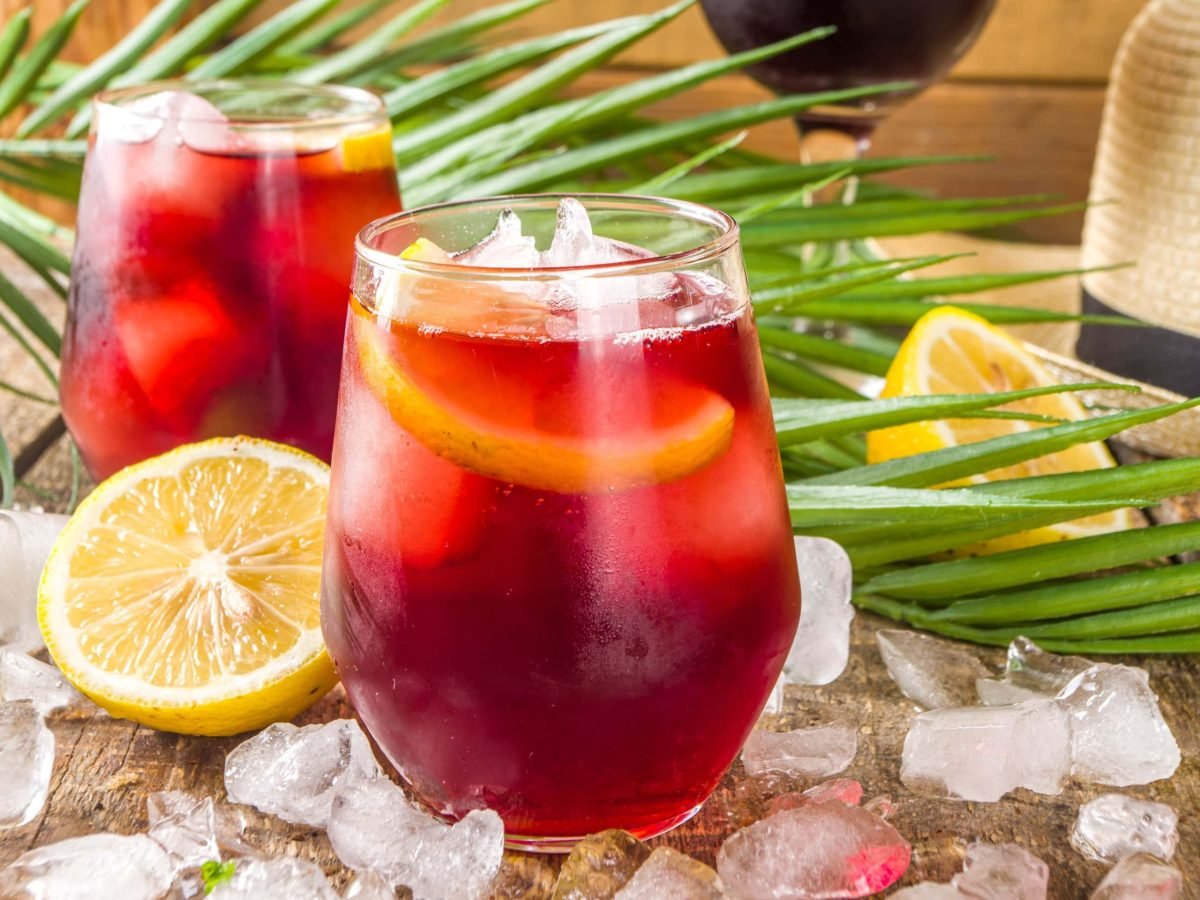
[{"x": 876, "y": 41}]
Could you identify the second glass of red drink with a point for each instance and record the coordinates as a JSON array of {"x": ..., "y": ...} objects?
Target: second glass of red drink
[
  {"x": 559, "y": 578},
  {"x": 208, "y": 290}
]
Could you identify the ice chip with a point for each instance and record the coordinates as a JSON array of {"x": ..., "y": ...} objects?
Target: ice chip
[
  {"x": 1140, "y": 877},
  {"x": 369, "y": 885},
  {"x": 25, "y": 678},
  {"x": 928, "y": 890},
  {"x": 97, "y": 866},
  {"x": 1119, "y": 736},
  {"x": 285, "y": 878},
  {"x": 505, "y": 248},
  {"x": 810, "y": 752},
  {"x": 294, "y": 773},
  {"x": 982, "y": 753},
  {"x": 600, "y": 865},
  {"x": 25, "y": 542},
  {"x": 184, "y": 826},
  {"x": 933, "y": 672},
  {"x": 373, "y": 826},
  {"x": 843, "y": 790},
  {"x": 1002, "y": 692},
  {"x": 1114, "y": 826},
  {"x": 1031, "y": 667},
  {"x": 821, "y": 647},
  {"x": 827, "y": 850},
  {"x": 671, "y": 875},
  {"x": 26, "y": 762},
  {"x": 1002, "y": 872}
]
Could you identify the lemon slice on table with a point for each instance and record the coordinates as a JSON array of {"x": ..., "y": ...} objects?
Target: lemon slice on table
[
  {"x": 674, "y": 429},
  {"x": 184, "y": 592},
  {"x": 951, "y": 351},
  {"x": 368, "y": 150}
]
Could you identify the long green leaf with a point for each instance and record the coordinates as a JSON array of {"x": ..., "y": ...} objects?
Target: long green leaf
[
  {"x": 971, "y": 284},
  {"x": 797, "y": 422},
  {"x": 29, "y": 316},
  {"x": 39, "y": 148},
  {"x": 12, "y": 39},
  {"x": 259, "y": 41},
  {"x": 505, "y": 102},
  {"x": 937, "y": 584},
  {"x": 794, "y": 378},
  {"x": 668, "y": 177},
  {"x": 31, "y": 248},
  {"x": 451, "y": 39},
  {"x": 1062, "y": 599},
  {"x": 126, "y": 51},
  {"x": 8, "y": 478},
  {"x": 324, "y": 33},
  {"x": 820, "y": 505},
  {"x": 22, "y": 77},
  {"x": 27, "y": 395},
  {"x": 362, "y": 53},
  {"x": 791, "y": 300},
  {"x": 417, "y": 93},
  {"x": 823, "y": 350},
  {"x": 906, "y": 312},
  {"x": 594, "y": 155},
  {"x": 952, "y": 463},
  {"x": 1169, "y": 615},
  {"x": 15, "y": 333}
]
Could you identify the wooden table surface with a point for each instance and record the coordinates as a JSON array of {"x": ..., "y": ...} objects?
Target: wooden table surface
[{"x": 105, "y": 768}]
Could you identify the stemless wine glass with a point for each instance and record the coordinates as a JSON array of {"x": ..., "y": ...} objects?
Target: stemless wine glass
[
  {"x": 211, "y": 267},
  {"x": 559, "y": 575}
]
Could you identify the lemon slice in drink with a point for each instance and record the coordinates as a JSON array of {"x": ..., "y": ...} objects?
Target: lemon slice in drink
[
  {"x": 674, "y": 429},
  {"x": 951, "y": 351},
  {"x": 368, "y": 150},
  {"x": 184, "y": 592}
]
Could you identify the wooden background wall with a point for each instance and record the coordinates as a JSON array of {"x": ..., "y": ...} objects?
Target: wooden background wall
[{"x": 1029, "y": 93}]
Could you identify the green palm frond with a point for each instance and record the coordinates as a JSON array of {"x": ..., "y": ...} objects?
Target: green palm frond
[{"x": 476, "y": 113}]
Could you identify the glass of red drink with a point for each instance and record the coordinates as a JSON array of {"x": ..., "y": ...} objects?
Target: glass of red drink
[
  {"x": 559, "y": 576},
  {"x": 211, "y": 268}
]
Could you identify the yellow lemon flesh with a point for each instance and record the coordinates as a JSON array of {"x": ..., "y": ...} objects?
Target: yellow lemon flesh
[
  {"x": 951, "y": 351},
  {"x": 368, "y": 150},
  {"x": 184, "y": 592}
]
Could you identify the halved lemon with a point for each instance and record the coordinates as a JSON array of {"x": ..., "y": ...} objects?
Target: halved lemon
[
  {"x": 184, "y": 593},
  {"x": 951, "y": 351},
  {"x": 673, "y": 427},
  {"x": 368, "y": 150}
]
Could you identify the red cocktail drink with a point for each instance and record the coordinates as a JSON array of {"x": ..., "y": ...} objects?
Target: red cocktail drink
[
  {"x": 559, "y": 576},
  {"x": 211, "y": 266}
]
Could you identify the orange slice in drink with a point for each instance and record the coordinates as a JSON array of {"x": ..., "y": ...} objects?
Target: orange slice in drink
[
  {"x": 673, "y": 428},
  {"x": 950, "y": 351},
  {"x": 368, "y": 150}
]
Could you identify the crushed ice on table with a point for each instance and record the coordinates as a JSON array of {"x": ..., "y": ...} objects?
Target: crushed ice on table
[
  {"x": 282, "y": 878},
  {"x": 982, "y": 753},
  {"x": 184, "y": 826},
  {"x": 369, "y": 885},
  {"x": 840, "y": 790},
  {"x": 826, "y": 850},
  {"x": 1114, "y": 826},
  {"x": 97, "y": 866},
  {"x": 25, "y": 542},
  {"x": 1030, "y": 672},
  {"x": 810, "y": 752},
  {"x": 372, "y": 825},
  {"x": 671, "y": 875},
  {"x": 600, "y": 865},
  {"x": 1140, "y": 877},
  {"x": 930, "y": 671},
  {"x": 821, "y": 647},
  {"x": 928, "y": 890},
  {"x": 26, "y": 762},
  {"x": 294, "y": 773},
  {"x": 1002, "y": 872},
  {"x": 24, "y": 678},
  {"x": 1119, "y": 736}
]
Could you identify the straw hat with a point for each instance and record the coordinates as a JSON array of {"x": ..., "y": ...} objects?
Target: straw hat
[{"x": 1146, "y": 191}]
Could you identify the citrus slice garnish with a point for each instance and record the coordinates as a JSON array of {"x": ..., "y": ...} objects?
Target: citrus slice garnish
[
  {"x": 368, "y": 150},
  {"x": 185, "y": 591},
  {"x": 951, "y": 351},
  {"x": 679, "y": 427}
]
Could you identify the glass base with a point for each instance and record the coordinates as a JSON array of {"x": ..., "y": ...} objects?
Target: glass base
[{"x": 558, "y": 844}]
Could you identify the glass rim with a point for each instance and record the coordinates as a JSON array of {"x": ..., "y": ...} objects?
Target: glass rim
[
  {"x": 347, "y": 95},
  {"x": 726, "y": 238}
]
